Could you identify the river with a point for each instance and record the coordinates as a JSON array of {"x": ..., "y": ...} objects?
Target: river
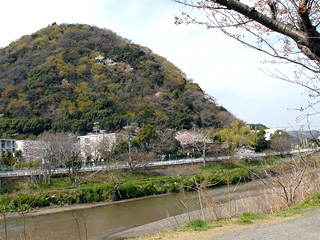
[{"x": 105, "y": 220}]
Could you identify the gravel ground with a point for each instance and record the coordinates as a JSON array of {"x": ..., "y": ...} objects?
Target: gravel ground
[{"x": 303, "y": 228}]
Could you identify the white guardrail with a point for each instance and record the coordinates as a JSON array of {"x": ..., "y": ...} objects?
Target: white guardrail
[{"x": 28, "y": 172}]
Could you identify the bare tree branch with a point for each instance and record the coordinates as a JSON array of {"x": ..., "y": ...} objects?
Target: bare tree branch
[{"x": 285, "y": 30}]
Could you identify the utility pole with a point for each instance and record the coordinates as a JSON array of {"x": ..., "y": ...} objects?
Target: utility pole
[
  {"x": 128, "y": 127},
  {"x": 302, "y": 133},
  {"x": 96, "y": 127}
]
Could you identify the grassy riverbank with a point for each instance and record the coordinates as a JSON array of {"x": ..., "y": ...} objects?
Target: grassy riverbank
[{"x": 115, "y": 186}]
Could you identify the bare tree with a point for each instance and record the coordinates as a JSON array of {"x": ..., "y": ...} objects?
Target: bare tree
[
  {"x": 5, "y": 206},
  {"x": 281, "y": 143},
  {"x": 105, "y": 147},
  {"x": 201, "y": 186},
  {"x": 225, "y": 118},
  {"x": 287, "y": 30},
  {"x": 58, "y": 150},
  {"x": 69, "y": 153},
  {"x": 78, "y": 215},
  {"x": 165, "y": 142},
  {"x": 286, "y": 179},
  {"x": 24, "y": 210},
  {"x": 50, "y": 161}
]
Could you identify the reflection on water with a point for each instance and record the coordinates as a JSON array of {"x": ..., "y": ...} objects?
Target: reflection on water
[{"x": 104, "y": 220}]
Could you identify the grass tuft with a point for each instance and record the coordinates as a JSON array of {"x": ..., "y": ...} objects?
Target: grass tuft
[
  {"x": 247, "y": 218},
  {"x": 197, "y": 225}
]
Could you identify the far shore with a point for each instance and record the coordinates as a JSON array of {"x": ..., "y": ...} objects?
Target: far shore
[
  {"x": 83, "y": 206},
  {"x": 79, "y": 206}
]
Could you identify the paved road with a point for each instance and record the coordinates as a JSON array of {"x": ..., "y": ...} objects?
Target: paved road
[{"x": 304, "y": 228}]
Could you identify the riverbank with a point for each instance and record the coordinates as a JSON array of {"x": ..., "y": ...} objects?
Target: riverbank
[
  {"x": 231, "y": 172},
  {"x": 298, "y": 222},
  {"x": 303, "y": 226},
  {"x": 85, "y": 206},
  {"x": 126, "y": 213},
  {"x": 108, "y": 187},
  {"x": 73, "y": 207}
]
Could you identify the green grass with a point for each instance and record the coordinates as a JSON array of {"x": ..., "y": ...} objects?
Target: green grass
[
  {"x": 310, "y": 203},
  {"x": 247, "y": 218},
  {"x": 197, "y": 225}
]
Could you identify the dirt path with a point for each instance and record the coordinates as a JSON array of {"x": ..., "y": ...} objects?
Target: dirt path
[{"x": 306, "y": 227}]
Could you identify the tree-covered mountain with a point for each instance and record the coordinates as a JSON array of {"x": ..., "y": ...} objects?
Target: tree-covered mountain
[{"x": 66, "y": 77}]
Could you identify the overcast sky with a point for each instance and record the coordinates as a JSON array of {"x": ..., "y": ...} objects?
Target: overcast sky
[{"x": 222, "y": 67}]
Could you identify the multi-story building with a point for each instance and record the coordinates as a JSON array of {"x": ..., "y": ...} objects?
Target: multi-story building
[
  {"x": 91, "y": 144},
  {"x": 7, "y": 145}
]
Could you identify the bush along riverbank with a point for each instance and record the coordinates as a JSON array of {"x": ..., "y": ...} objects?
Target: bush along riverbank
[{"x": 28, "y": 195}]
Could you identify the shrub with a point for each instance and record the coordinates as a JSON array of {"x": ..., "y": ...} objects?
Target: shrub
[
  {"x": 173, "y": 188},
  {"x": 129, "y": 190},
  {"x": 147, "y": 190},
  {"x": 6, "y": 203},
  {"x": 32, "y": 201},
  {"x": 238, "y": 175},
  {"x": 91, "y": 194},
  {"x": 26, "y": 199},
  {"x": 43, "y": 200}
]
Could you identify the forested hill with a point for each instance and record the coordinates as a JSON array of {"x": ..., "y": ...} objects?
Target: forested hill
[{"x": 66, "y": 77}]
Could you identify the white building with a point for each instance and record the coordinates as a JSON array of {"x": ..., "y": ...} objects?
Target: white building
[
  {"x": 91, "y": 143},
  {"x": 270, "y": 131}
]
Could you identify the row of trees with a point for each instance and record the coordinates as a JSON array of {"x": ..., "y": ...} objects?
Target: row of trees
[
  {"x": 238, "y": 139},
  {"x": 142, "y": 144},
  {"x": 24, "y": 127},
  {"x": 148, "y": 143}
]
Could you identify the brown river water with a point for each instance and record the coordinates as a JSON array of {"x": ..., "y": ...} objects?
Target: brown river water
[{"x": 99, "y": 222}]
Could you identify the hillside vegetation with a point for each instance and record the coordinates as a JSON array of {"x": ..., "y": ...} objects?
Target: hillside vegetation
[{"x": 65, "y": 77}]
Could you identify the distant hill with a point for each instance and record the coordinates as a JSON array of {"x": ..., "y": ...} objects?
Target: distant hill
[
  {"x": 300, "y": 136},
  {"x": 66, "y": 77}
]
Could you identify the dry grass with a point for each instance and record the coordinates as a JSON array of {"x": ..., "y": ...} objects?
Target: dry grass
[
  {"x": 216, "y": 229},
  {"x": 294, "y": 182}
]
